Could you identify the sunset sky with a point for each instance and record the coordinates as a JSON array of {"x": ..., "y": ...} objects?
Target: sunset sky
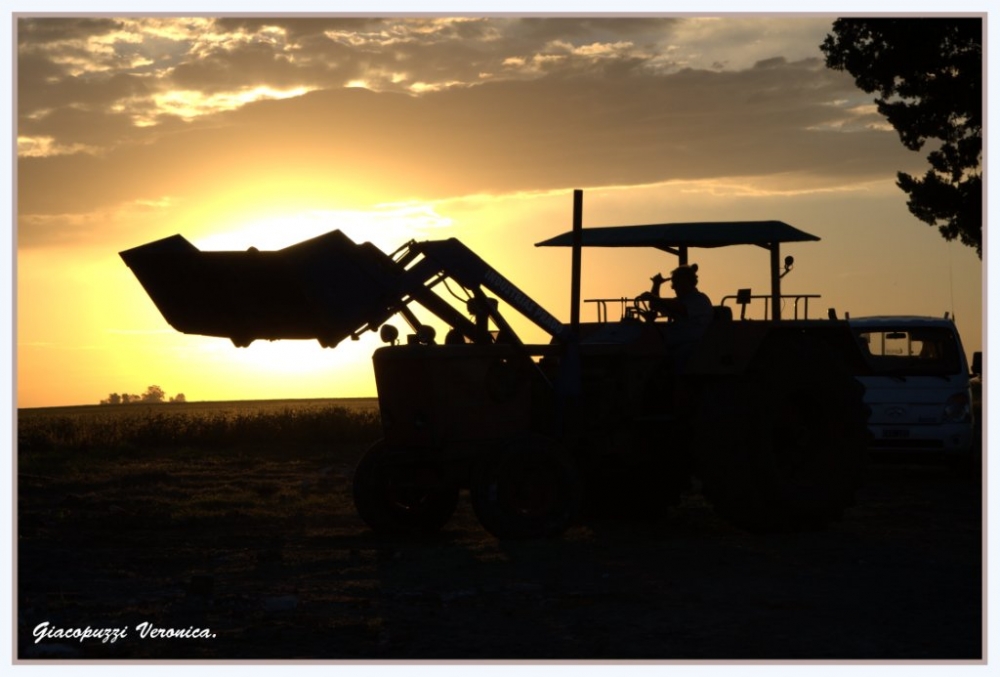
[{"x": 264, "y": 132}]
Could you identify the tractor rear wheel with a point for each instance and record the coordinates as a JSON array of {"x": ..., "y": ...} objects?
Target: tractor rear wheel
[
  {"x": 395, "y": 493},
  {"x": 640, "y": 478},
  {"x": 783, "y": 447},
  {"x": 528, "y": 489}
]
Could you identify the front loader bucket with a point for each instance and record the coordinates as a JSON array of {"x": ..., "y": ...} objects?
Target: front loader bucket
[{"x": 326, "y": 288}]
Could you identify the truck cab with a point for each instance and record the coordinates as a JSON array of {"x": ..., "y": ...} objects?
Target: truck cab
[{"x": 918, "y": 386}]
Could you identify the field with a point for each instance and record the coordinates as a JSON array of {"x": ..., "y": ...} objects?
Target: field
[{"x": 226, "y": 531}]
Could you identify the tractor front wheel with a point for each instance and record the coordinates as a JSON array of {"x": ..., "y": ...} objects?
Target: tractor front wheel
[
  {"x": 395, "y": 492},
  {"x": 528, "y": 489}
]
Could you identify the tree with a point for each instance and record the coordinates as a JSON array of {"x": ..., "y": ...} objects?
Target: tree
[
  {"x": 928, "y": 73},
  {"x": 153, "y": 394}
]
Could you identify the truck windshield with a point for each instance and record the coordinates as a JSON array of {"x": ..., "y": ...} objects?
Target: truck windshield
[{"x": 930, "y": 351}]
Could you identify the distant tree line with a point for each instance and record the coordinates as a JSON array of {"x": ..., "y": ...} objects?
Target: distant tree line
[{"x": 153, "y": 395}]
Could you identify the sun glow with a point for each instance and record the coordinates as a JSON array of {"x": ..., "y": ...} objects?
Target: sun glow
[
  {"x": 288, "y": 368},
  {"x": 294, "y": 369},
  {"x": 386, "y": 226}
]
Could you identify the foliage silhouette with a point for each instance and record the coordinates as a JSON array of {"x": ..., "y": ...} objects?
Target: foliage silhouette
[
  {"x": 928, "y": 73},
  {"x": 131, "y": 429},
  {"x": 153, "y": 395}
]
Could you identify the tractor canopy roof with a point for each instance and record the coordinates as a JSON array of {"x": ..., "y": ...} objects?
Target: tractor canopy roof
[
  {"x": 674, "y": 236},
  {"x": 678, "y": 238}
]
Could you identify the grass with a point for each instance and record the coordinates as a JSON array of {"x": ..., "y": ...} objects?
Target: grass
[
  {"x": 195, "y": 466},
  {"x": 238, "y": 517},
  {"x": 135, "y": 429},
  {"x": 122, "y": 510},
  {"x": 173, "y": 463}
]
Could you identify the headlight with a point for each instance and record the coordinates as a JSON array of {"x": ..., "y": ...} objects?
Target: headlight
[{"x": 956, "y": 408}]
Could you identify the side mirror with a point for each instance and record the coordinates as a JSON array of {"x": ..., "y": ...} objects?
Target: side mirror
[
  {"x": 977, "y": 362},
  {"x": 789, "y": 262}
]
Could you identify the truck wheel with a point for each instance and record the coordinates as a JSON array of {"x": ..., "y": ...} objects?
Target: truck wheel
[
  {"x": 783, "y": 447},
  {"x": 393, "y": 494},
  {"x": 529, "y": 489}
]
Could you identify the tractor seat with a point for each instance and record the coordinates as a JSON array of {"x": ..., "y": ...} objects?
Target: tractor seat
[{"x": 722, "y": 314}]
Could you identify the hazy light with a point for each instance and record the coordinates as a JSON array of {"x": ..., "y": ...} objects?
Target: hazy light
[{"x": 385, "y": 226}]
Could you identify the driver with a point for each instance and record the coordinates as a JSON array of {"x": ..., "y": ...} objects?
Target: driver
[{"x": 690, "y": 309}]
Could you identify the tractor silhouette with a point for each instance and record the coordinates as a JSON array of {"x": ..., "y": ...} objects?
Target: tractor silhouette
[{"x": 603, "y": 418}]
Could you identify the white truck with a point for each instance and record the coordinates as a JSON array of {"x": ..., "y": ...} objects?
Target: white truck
[{"x": 919, "y": 386}]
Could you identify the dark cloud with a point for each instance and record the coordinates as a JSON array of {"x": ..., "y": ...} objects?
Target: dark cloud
[
  {"x": 584, "y": 116},
  {"x": 79, "y": 113},
  {"x": 94, "y": 130},
  {"x": 495, "y": 138},
  {"x": 593, "y": 28},
  {"x": 59, "y": 72},
  {"x": 38, "y": 31},
  {"x": 243, "y": 66},
  {"x": 299, "y": 28}
]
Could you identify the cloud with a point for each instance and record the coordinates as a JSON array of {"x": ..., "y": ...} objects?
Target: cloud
[
  {"x": 499, "y": 136},
  {"x": 75, "y": 229},
  {"x": 37, "y": 33},
  {"x": 738, "y": 42},
  {"x": 455, "y": 107},
  {"x": 132, "y": 64}
]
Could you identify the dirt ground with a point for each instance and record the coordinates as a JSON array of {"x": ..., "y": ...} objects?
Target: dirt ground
[{"x": 265, "y": 556}]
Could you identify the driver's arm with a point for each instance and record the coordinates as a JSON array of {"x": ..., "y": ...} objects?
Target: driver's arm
[
  {"x": 669, "y": 307},
  {"x": 672, "y": 308}
]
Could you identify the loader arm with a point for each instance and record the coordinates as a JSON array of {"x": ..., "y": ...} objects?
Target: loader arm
[
  {"x": 327, "y": 288},
  {"x": 472, "y": 272}
]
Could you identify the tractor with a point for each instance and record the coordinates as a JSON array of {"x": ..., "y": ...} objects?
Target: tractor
[{"x": 766, "y": 416}]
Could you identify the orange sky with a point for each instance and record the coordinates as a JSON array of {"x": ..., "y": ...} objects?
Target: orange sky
[{"x": 239, "y": 133}]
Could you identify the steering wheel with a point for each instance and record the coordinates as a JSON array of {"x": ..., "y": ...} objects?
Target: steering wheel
[{"x": 644, "y": 309}]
